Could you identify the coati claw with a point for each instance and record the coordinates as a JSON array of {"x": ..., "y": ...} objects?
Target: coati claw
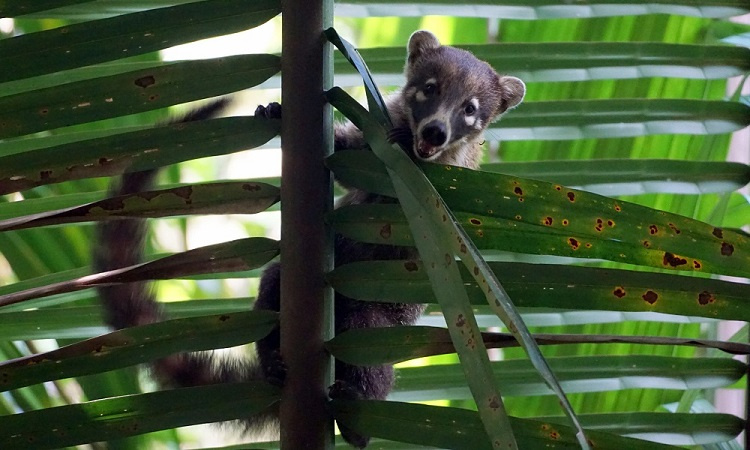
[
  {"x": 401, "y": 136},
  {"x": 272, "y": 111}
]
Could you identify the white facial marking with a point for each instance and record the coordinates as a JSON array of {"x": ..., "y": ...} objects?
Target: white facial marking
[
  {"x": 420, "y": 96},
  {"x": 471, "y": 120}
]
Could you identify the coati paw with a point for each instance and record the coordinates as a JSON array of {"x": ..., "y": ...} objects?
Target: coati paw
[
  {"x": 401, "y": 136},
  {"x": 340, "y": 389},
  {"x": 275, "y": 370},
  {"x": 272, "y": 111}
]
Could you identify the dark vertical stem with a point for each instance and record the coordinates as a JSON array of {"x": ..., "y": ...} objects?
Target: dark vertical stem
[{"x": 306, "y": 302}]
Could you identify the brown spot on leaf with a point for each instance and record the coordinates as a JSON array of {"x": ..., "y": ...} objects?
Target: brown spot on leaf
[
  {"x": 44, "y": 111},
  {"x": 705, "y": 297},
  {"x": 619, "y": 292},
  {"x": 646, "y": 244},
  {"x": 558, "y": 187},
  {"x": 554, "y": 435},
  {"x": 476, "y": 270},
  {"x": 670, "y": 259},
  {"x": 45, "y": 174},
  {"x": 611, "y": 223},
  {"x": 589, "y": 245},
  {"x": 618, "y": 208},
  {"x": 252, "y": 187},
  {"x": 674, "y": 228},
  {"x": 653, "y": 229},
  {"x": 476, "y": 222},
  {"x": 480, "y": 233},
  {"x": 574, "y": 244},
  {"x": 565, "y": 222},
  {"x": 650, "y": 297},
  {"x": 463, "y": 248},
  {"x": 518, "y": 217},
  {"x": 111, "y": 204},
  {"x": 184, "y": 192},
  {"x": 494, "y": 403},
  {"x": 520, "y": 199},
  {"x": 727, "y": 249},
  {"x": 599, "y": 225},
  {"x": 146, "y": 81},
  {"x": 517, "y": 190},
  {"x": 153, "y": 97},
  {"x": 385, "y": 231},
  {"x": 411, "y": 266},
  {"x": 460, "y": 321},
  {"x": 697, "y": 264},
  {"x": 572, "y": 196},
  {"x": 224, "y": 317},
  {"x": 718, "y": 232},
  {"x": 547, "y": 221}
]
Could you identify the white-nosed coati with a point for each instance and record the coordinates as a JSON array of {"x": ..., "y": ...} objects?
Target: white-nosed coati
[{"x": 449, "y": 99}]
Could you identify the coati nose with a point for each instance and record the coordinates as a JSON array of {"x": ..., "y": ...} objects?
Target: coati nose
[{"x": 434, "y": 133}]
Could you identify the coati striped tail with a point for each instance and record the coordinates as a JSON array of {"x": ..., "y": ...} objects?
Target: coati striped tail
[{"x": 121, "y": 244}]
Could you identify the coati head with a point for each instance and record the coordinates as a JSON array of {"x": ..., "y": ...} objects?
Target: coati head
[{"x": 450, "y": 98}]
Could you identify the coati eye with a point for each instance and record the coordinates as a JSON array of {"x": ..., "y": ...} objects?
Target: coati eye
[
  {"x": 470, "y": 109},
  {"x": 429, "y": 89}
]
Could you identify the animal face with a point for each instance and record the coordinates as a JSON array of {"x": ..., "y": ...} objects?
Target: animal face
[{"x": 451, "y": 97}]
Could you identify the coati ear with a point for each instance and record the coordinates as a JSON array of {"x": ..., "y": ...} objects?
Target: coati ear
[
  {"x": 419, "y": 42},
  {"x": 512, "y": 91}
]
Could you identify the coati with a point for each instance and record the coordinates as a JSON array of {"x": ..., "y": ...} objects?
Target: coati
[{"x": 449, "y": 99}]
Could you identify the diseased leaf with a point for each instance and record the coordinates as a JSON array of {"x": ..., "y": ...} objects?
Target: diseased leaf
[
  {"x": 132, "y": 151},
  {"x": 242, "y": 197},
  {"x": 137, "y": 345},
  {"x": 130, "y": 93},
  {"x": 633, "y": 176},
  {"x": 510, "y": 213},
  {"x": 444, "y": 427},
  {"x": 130, "y": 415},
  {"x": 238, "y": 255},
  {"x": 556, "y": 286}
]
